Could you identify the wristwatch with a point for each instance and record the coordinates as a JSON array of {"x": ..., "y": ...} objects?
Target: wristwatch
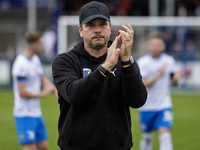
[
  {"x": 103, "y": 70},
  {"x": 129, "y": 62}
]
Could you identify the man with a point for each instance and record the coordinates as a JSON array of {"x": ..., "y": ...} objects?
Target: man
[
  {"x": 96, "y": 85},
  {"x": 28, "y": 78},
  {"x": 158, "y": 72}
]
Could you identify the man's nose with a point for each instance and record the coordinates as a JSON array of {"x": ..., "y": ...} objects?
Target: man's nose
[{"x": 97, "y": 29}]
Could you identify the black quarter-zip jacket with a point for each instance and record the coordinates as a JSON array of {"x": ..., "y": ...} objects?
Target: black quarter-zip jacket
[{"x": 94, "y": 110}]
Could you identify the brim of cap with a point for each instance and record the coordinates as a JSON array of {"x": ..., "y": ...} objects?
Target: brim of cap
[{"x": 88, "y": 19}]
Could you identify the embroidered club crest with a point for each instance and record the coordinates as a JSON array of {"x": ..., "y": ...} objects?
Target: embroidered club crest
[{"x": 86, "y": 71}]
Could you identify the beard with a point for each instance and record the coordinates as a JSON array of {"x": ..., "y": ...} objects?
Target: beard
[{"x": 99, "y": 44}]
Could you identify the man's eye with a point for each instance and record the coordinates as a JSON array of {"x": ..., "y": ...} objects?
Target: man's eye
[{"x": 103, "y": 24}]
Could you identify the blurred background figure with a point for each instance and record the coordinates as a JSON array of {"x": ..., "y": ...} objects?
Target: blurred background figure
[
  {"x": 28, "y": 78},
  {"x": 158, "y": 72}
]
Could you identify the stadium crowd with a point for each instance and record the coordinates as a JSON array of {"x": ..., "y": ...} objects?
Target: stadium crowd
[
  {"x": 134, "y": 7},
  {"x": 174, "y": 37},
  {"x": 116, "y": 7}
]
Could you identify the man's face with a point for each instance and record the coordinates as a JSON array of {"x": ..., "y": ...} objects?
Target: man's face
[
  {"x": 96, "y": 33},
  {"x": 156, "y": 46},
  {"x": 38, "y": 46}
]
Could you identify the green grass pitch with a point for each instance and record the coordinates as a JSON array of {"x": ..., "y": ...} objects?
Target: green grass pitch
[{"x": 185, "y": 133}]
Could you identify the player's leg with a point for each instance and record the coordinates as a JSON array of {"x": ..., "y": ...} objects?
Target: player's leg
[
  {"x": 146, "y": 128},
  {"x": 42, "y": 143},
  {"x": 146, "y": 141},
  {"x": 165, "y": 139},
  {"x": 164, "y": 124},
  {"x": 25, "y": 127},
  {"x": 29, "y": 146}
]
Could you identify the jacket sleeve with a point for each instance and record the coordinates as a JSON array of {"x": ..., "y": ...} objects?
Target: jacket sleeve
[
  {"x": 68, "y": 83},
  {"x": 134, "y": 90}
]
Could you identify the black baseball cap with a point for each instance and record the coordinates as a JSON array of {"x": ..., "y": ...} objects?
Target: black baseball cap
[{"x": 93, "y": 10}]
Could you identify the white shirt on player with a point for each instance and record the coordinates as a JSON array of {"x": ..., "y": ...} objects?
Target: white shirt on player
[
  {"x": 28, "y": 71},
  {"x": 158, "y": 93}
]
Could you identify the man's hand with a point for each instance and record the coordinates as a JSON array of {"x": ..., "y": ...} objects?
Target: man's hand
[
  {"x": 49, "y": 89},
  {"x": 55, "y": 92},
  {"x": 112, "y": 55},
  {"x": 161, "y": 70},
  {"x": 151, "y": 80},
  {"x": 176, "y": 77},
  {"x": 125, "y": 50},
  {"x": 127, "y": 42}
]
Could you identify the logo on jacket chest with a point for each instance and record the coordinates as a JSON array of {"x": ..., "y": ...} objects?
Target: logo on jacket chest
[
  {"x": 113, "y": 72},
  {"x": 86, "y": 71}
]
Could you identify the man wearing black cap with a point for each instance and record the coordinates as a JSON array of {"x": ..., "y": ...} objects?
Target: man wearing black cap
[{"x": 97, "y": 83}]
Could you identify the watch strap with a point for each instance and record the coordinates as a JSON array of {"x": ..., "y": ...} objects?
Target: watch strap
[
  {"x": 103, "y": 70},
  {"x": 129, "y": 62}
]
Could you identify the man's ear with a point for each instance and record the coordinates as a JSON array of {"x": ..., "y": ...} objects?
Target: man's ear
[{"x": 80, "y": 31}]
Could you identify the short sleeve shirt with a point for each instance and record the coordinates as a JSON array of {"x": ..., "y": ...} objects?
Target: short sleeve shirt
[
  {"x": 28, "y": 71},
  {"x": 159, "y": 93}
]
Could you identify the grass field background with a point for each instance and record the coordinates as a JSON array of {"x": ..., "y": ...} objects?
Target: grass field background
[{"x": 185, "y": 133}]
